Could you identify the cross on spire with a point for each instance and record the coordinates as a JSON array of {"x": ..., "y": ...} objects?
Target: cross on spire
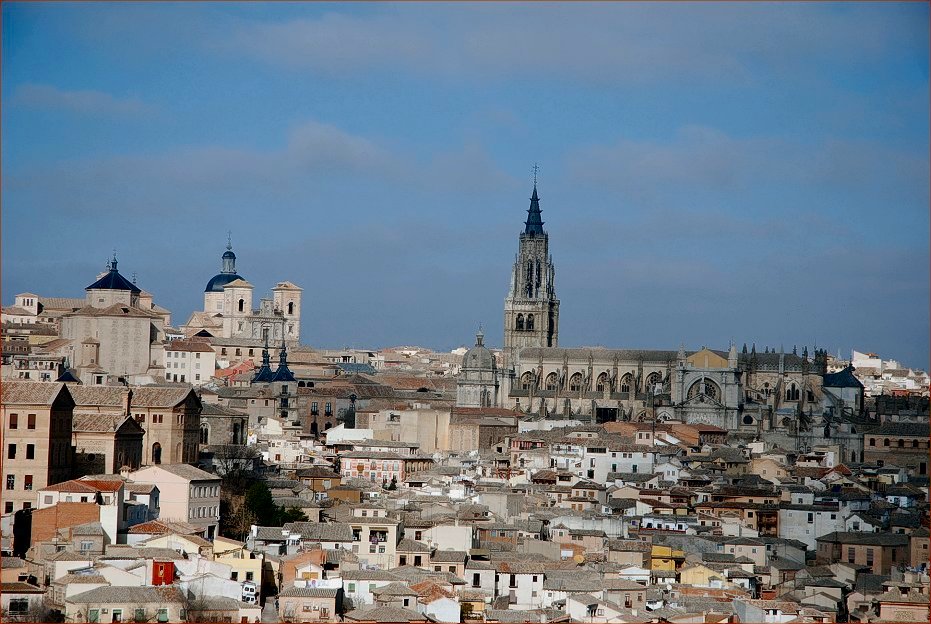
[
  {"x": 535, "y": 169},
  {"x": 229, "y": 239}
]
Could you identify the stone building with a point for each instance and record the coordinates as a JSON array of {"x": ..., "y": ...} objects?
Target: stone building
[
  {"x": 478, "y": 382},
  {"x": 749, "y": 393},
  {"x": 228, "y": 312},
  {"x": 36, "y": 443},
  {"x": 220, "y": 425},
  {"x": 118, "y": 332},
  {"x": 531, "y": 309}
]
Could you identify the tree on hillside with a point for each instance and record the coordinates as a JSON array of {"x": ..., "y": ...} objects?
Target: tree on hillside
[{"x": 259, "y": 502}]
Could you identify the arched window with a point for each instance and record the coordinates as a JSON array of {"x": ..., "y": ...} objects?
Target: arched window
[
  {"x": 901, "y": 443},
  {"x": 654, "y": 379},
  {"x": 872, "y": 441},
  {"x": 886, "y": 442},
  {"x": 242, "y": 304},
  {"x": 626, "y": 382},
  {"x": 290, "y": 307},
  {"x": 526, "y": 380},
  {"x": 575, "y": 382},
  {"x": 529, "y": 322},
  {"x": 704, "y": 387},
  {"x": 520, "y": 322},
  {"x": 552, "y": 381},
  {"x": 156, "y": 453},
  {"x": 204, "y": 433},
  {"x": 236, "y": 434},
  {"x": 178, "y": 458},
  {"x": 601, "y": 384},
  {"x": 914, "y": 443}
]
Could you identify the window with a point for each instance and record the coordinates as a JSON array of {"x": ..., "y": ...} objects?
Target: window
[
  {"x": 93, "y": 615},
  {"x": 235, "y": 576},
  {"x": 249, "y": 576},
  {"x": 851, "y": 554},
  {"x": 30, "y": 451},
  {"x": 140, "y": 615},
  {"x": 11, "y": 452},
  {"x": 163, "y": 615},
  {"x": 886, "y": 442},
  {"x": 8, "y": 507},
  {"x": 811, "y": 518},
  {"x": 27, "y": 485},
  {"x": 11, "y": 482},
  {"x": 14, "y": 421},
  {"x": 872, "y": 441},
  {"x": 351, "y": 588},
  {"x": 31, "y": 421},
  {"x": 869, "y": 556}
]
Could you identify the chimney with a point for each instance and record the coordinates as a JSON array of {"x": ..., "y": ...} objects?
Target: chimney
[{"x": 126, "y": 399}]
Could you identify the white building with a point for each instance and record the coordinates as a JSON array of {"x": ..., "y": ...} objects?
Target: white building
[{"x": 190, "y": 361}]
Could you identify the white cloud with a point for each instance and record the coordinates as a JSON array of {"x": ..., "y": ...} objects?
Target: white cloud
[{"x": 87, "y": 102}]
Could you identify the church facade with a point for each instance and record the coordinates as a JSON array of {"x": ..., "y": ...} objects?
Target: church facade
[
  {"x": 744, "y": 392},
  {"x": 229, "y": 314}
]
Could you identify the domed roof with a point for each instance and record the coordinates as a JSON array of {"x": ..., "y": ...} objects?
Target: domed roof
[
  {"x": 229, "y": 255},
  {"x": 218, "y": 281},
  {"x": 479, "y": 357},
  {"x": 112, "y": 280}
]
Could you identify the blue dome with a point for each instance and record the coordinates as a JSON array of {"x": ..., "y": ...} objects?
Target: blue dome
[{"x": 220, "y": 280}]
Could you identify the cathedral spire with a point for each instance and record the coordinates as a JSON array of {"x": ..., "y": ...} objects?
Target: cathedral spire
[{"x": 534, "y": 223}]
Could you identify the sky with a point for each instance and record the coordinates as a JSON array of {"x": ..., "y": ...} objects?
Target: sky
[{"x": 755, "y": 173}]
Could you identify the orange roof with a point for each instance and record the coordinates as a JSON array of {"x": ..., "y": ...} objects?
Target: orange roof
[
  {"x": 104, "y": 485},
  {"x": 74, "y": 486}
]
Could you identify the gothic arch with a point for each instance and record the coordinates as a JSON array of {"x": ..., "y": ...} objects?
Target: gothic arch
[
  {"x": 627, "y": 381},
  {"x": 705, "y": 387},
  {"x": 242, "y": 304},
  {"x": 792, "y": 392},
  {"x": 290, "y": 307},
  {"x": 156, "y": 453},
  {"x": 519, "y": 324},
  {"x": 654, "y": 379},
  {"x": 204, "y": 433},
  {"x": 603, "y": 382},
  {"x": 526, "y": 380},
  {"x": 529, "y": 326},
  {"x": 552, "y": 381},
  {"x": 575, "y": 382}
]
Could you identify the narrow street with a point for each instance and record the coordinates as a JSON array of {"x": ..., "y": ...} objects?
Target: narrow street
[{"x": 268, "y": 611}]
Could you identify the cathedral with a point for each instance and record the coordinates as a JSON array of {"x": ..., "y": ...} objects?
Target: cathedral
[
  {"x": 228, "y": 311},
  {"x": 745, "y": 392}
]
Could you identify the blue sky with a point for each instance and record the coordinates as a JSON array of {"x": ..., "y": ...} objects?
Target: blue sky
[{"x": 756, "y": 173}]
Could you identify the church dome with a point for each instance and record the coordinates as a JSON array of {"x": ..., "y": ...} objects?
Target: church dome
[
  {"x": 218, "y": 281},
  {"x": 479, "y": 357},
  {"x": 227, "y": 274}
]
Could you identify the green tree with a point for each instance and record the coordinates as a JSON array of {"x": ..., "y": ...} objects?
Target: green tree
[
  {"x": 259, "y": 502},
  {"x": 293, "y": 514}
]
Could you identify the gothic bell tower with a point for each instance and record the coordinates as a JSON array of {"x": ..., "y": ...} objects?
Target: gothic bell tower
[{"x": 531, "y": 309}]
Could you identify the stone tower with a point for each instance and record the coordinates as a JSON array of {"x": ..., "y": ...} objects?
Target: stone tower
[
  {"x": 478, "y": 380},
  {"x": 531, "y": 309}
]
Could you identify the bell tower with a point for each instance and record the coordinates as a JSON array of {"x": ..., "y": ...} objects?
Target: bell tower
[{"x": 531, "y": 309}]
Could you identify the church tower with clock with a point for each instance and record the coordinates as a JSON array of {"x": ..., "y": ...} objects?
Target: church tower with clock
[{"x": 531, "y": 309}]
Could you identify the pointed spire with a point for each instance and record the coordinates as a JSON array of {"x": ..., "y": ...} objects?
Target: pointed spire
[
  {"x": 534, "y": 223},
  {"x": 283, "y": 373}
]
